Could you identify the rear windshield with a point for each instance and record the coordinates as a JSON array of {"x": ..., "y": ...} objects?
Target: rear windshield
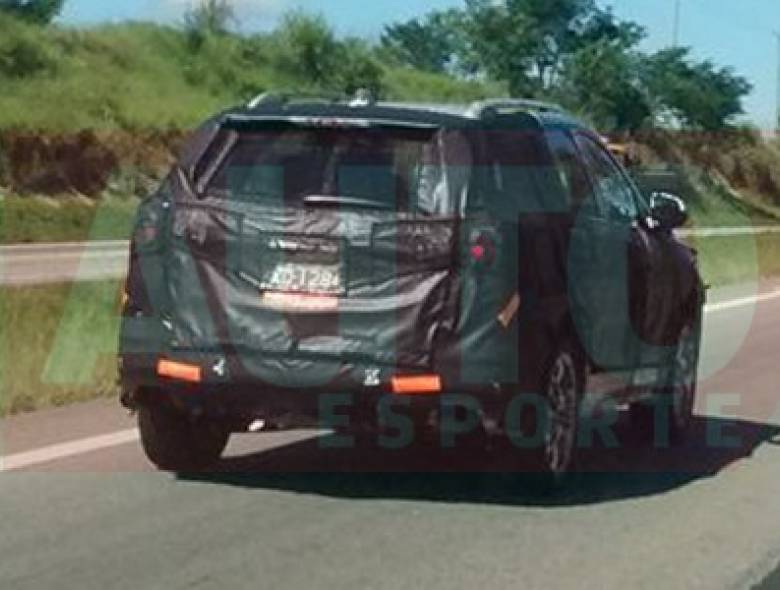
[{"x": 293, "y": 166}]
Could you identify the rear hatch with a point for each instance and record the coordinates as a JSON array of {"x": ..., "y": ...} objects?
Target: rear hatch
[{"x": 320, "y": 240}]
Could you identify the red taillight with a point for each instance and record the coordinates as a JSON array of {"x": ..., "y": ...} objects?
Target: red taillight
[
  {"x": 483, "y": 249},
  {"x": 478, "y": 252},
  {"x": 417, "y": 385},
  {"x": 179, "y": 371}
]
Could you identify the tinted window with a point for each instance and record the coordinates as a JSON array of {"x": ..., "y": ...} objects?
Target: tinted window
[
  {"x": 397, "y": 168},
  {"x": 611, "y": 187},
  {"x": 517, "y": 173},
  {"x": 570, "y": 171}
]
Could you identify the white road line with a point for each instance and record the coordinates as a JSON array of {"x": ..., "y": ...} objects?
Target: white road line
[
  {"x": 68, "y": 449},
  {"x": 115, "y": 439},
  {"x": 27, "y": 257},
  {"x": 59, "y": 246},
  {"x": 742, "y": 302},
  {"x": 727, "y": 232}
]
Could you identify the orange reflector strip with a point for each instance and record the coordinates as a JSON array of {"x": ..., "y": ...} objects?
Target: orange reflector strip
[
  {"x": 179, "y": 371},
  {"x": 418, "y": 384}
]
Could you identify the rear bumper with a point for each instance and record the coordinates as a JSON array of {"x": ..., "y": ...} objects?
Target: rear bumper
[{"x": 307, "y": 393}]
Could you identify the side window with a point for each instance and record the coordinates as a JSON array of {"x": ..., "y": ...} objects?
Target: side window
[
  {"x": 569, "y": 168},
  {"x": 514, "y": 169},
  {"x": 612, "y": 189}
]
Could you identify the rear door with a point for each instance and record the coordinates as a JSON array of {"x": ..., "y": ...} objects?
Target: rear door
[
  {"x": 516, "y": 224},
  {"x": 333, "y": 242},
  {"x": 629, "y": 280},
  {"x": 600, "y": 269}
]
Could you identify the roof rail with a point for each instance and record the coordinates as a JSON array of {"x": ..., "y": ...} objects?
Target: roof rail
[
  {"x": 362, "y": 97},
  {"x": 282, "y": 97},
  {"x": 267, "y": 98},
  {"x": 480, "y": 108}
]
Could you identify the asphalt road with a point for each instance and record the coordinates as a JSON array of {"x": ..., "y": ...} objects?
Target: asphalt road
[
  {"x": 37, "y": 264},
  {"x": 80, "y": 507}
]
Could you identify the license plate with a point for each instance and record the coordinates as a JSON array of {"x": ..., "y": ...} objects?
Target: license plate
[
  {"x": 304, "y": 278},
  {"x": 286, "y": 301}
]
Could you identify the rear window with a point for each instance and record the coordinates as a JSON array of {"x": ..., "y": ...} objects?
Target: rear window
[{"x": 393, "y": 168}]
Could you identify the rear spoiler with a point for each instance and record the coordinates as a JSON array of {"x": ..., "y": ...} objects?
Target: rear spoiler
[{"x": 234, "y": 121}]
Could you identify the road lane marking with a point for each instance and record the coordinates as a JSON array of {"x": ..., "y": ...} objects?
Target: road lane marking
[
  {"x": 728, "y": 232},
  {"x": 59, "y": 246},
  {"x": 115, "y": 439},
  {"x": 741, "y": 302},
  {"x": 68, "y": 449}
]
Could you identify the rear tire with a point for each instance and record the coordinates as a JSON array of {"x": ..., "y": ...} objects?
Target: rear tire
[
  {"x": 555, "y": 422},
  {"x": 174, "y": 442}
]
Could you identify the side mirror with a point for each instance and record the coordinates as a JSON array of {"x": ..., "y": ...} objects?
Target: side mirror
[{"x": 668, "y": 210}]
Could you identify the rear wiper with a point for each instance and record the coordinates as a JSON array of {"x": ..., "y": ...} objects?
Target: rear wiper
[{"x": 336, "y": 200}]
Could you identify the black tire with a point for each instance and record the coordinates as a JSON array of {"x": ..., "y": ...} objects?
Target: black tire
[
  {"x": 675, "y": 395},
  {"x": 555, "y": 421},
  {"x": 174, "y": 442}
]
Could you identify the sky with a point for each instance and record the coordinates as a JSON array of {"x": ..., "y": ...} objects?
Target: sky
[{"x": 731, "y": 33}]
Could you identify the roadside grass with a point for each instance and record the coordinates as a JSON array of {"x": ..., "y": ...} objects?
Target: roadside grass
[
  {"x": 727, "y": 260},
  {"x": 139, "y": 75},
  {"x": 718, "y": 207},
  {"x": 65, "y": 219},
  {"x": 58, "y": 344}
]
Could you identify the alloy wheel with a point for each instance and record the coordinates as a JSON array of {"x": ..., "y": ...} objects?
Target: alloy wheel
[{"x": 563, "y": 409}]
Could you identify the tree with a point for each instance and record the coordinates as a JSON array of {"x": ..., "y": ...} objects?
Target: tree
[
  {"x": 499, "y": 45},
  {"x": 430, "y": 44},
  {"x": 40, "y": 12},
  {"x": 698, "y": 95},
  {"x": 310, "y": 51},
  {"x": 209, "y": 17},
  {"x": 527, "y": 42},
  {"x": 358, "y": 69},
  {"x": 309, "y": 47},
  {"x": 600, "y": 77},
  {"x": 601, "y": 80}
]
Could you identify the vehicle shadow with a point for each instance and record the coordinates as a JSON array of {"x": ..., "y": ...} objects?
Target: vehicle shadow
[{"x": 631, "y": 469}]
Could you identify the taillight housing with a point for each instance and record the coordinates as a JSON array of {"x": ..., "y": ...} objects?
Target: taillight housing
[
  {"x": 145, "y": 235},
  {"x": 482, "y": 249}
]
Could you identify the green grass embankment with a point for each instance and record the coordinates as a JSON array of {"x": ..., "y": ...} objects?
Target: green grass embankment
[
  {"x": 67, "y": 219},
  {"x": 150, "y": 76},
  {"x": 728, "y": 260},
  {"x": 58, "y": 344}
]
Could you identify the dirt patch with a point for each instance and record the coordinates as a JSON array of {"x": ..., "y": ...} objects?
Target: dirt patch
[
  {"x": 83, "y": 162},
  {"x": 740, "y": 156}
]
